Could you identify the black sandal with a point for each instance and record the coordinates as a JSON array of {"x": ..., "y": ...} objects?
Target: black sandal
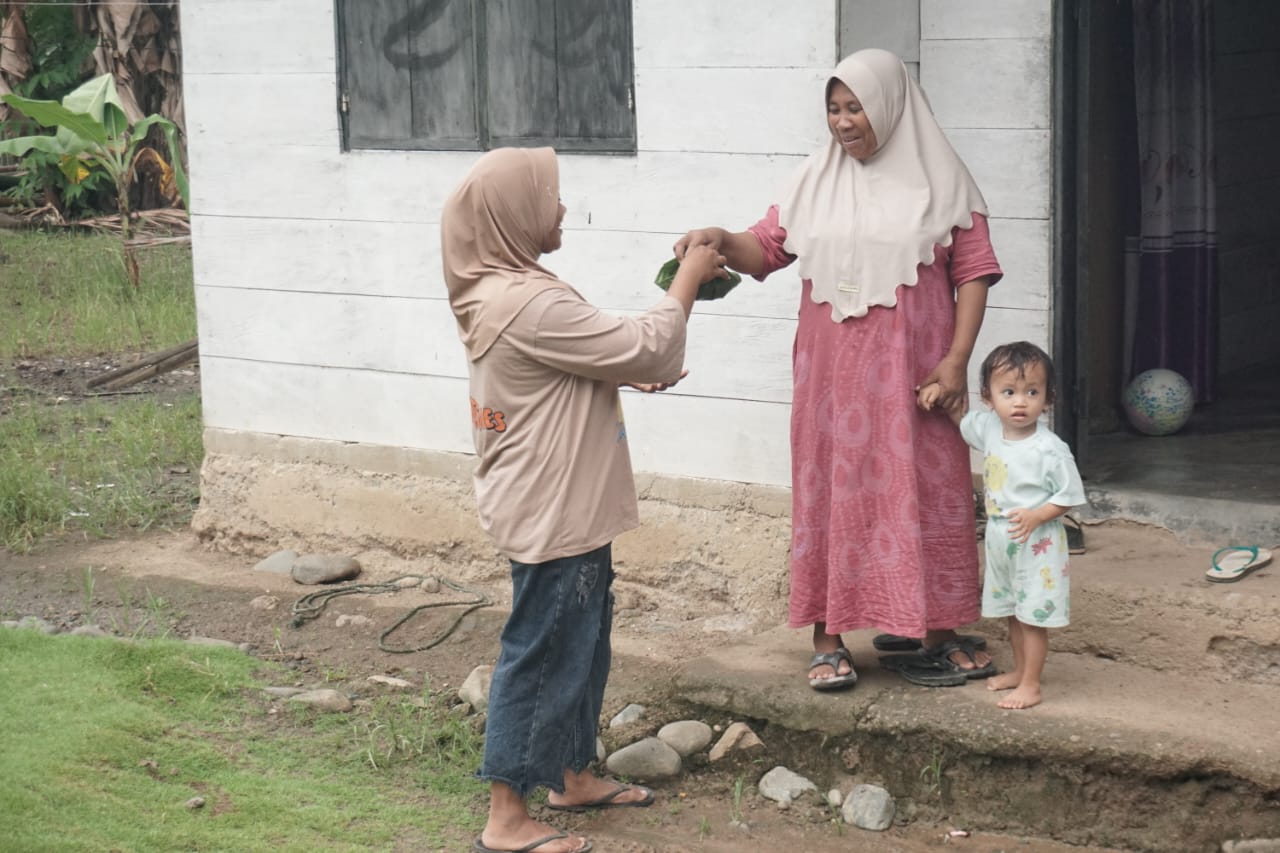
[{"x": 833, "y": 659}]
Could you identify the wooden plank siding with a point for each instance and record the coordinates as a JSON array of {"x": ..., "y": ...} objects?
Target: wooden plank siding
[{"x": 322, "y": 308}]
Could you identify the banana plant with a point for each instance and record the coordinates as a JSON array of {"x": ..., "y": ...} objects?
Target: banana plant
[{"x": 91, "y": 129}]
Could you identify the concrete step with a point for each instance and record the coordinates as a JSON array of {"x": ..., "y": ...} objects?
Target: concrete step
[
  {"x": 1139, "y": 596},
  {"x": 1160, "y": 727}
]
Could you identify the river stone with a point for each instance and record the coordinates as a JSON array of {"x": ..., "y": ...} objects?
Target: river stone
[
  {"x": 686, "y": 736},
  {"x": 325, "y": 699},
  {"x": 629, "y": 714},
  {"x": 646, "y": 760},
  {"x": 784, "y": 786},
  {"x": 88, "y": 631},
  {"x": 601, "y": 752},
  {"x": 324, "y": 568},
  {"x": 868, "y": 807},
  {"x": 279, "y": 563},
  {"x": 1252, "y": 845},
  {"x": 475, "y": 690}
]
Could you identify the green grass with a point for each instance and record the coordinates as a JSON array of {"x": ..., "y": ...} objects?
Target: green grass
[
  {"x": 108, "y": 740},
  {"x": 67, "y": 295},
  {"x": 98, "y": 467}
]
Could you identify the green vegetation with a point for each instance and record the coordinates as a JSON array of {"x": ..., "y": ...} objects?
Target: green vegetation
[
  {"x": 98, "y": 468},
  {"x": 117, "y": 738},
  {"x": 67, "y": 295},
  {"x": 97, "y": 465}
]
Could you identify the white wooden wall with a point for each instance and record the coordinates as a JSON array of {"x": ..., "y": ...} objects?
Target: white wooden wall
[{"x": 322, "y": 309}]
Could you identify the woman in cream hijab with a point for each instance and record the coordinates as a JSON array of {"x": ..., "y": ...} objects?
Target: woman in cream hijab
[
  {"x": 890, "y": 234},
  {"x": 553, "y": 480}
]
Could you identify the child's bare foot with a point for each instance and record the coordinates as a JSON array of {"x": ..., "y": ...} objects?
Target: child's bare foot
[
  {"x": 1023, "y": 697},
  {"x": 1004, "y": 681}
]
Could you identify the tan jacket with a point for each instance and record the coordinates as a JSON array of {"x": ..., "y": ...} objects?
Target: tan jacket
[{"x": 554, "y": 478}]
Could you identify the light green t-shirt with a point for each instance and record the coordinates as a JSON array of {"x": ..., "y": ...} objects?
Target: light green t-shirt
[{"x": 1022, "y": 474}]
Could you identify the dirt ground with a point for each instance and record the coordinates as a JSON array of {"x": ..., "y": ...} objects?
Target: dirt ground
[{"x": 168, "y": 583}]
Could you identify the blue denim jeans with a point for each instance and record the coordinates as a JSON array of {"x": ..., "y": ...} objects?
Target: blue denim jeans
[{"x": 548, "y": 687}]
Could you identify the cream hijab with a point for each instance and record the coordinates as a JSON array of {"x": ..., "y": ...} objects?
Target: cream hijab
[
  {"x": 491, "y": 233},
  {"x": 860, "y": 228}
]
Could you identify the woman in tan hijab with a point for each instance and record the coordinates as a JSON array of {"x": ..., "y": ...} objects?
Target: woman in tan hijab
[
  {"x": 553, "y": 483},
  {"x": 890, "y": 232}
]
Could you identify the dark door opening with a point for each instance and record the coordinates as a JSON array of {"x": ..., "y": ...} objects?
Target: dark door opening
[{"x": 1230, "y": 449}]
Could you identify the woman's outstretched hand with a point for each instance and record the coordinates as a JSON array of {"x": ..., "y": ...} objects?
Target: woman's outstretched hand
[
  {"x": 712, "y": 237},
  {"x": 651, "y": 387}
]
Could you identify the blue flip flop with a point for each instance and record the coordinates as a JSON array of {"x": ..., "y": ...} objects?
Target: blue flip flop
[{"x": 1233, "y": 562}]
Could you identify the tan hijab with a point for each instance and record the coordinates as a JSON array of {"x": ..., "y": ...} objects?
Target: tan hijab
[
  {"x": 860, "y": 228},
  {"x": 492, "y": 230}
]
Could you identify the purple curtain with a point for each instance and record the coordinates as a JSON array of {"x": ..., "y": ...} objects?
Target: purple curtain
[{"x": 1172, "y": 291}]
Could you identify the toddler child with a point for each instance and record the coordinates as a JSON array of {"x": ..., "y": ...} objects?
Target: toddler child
[{"x": 1030, "y": 480}]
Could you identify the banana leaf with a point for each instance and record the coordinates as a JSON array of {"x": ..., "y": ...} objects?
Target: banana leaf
[{"x": 716, "y": 288}]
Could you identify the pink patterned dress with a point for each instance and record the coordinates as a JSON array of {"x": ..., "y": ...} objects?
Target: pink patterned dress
[{"x": 882, "y": 498}]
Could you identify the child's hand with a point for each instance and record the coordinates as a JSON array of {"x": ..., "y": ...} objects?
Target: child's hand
[
  {"x": 703, "y": 263},
  {"x": 1022, "y": 523},
  {"x": 928, "y": 396},
  {"x": 651, "y": 387}
]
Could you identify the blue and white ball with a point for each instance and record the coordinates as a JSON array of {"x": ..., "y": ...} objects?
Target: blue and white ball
[{"x": 1158, "y": 402}]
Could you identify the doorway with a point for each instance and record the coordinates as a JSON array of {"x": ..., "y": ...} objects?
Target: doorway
[{"x": 1229, "y": 451}]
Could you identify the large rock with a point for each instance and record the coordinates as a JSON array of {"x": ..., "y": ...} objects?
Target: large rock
[
  {"x": 324, "y": 568},
  {"x": 646, "y": 760},
  {"x": 784, "y": 786},
  {"x": 324, "y": 699},
  {"x": 279, "y": 563},
  {"x": 869, "y": 807},
  {"x": 629, "y": 714},
  {"x": 686, "y": 736},
  {"x": 475, "y": 690},
  {"x": 737, "y": 738}
]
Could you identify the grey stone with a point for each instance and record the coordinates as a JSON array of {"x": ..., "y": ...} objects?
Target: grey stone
[
  {"x": 686, "y": 736},
  {"x": 35, "y": 623},
  {"x": 475, "y": 690},
  {"x": 784, "y": 786},
  {"x": 88, "y": 631},
  {"x": 282, "y": 692},
  {"x": 869, "y": 807},
  {"x": 265, "y": 602},
  {"x": 835, "y": 797},
  {"x": 325, "y": 699},
  {"x": 211, "y": 641},
  {"x": 279, "y": 563},
  {"x": 1252, "y": 845},
  {"x": 601, "y": 752},
  {"x": 390, "y": 681},
  {"x": 647, "y": 760},
  {"x": 324, "y": 568},
  {"x": 629, "y": 714},
  {"x": 353, "y": 619}
]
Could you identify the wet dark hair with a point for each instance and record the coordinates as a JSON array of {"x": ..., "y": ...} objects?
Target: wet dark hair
[{"x": 1019, "y": 356}]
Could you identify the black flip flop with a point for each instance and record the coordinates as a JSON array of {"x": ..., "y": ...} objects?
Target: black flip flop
[
  {"x": 609, "y": 801},
  {"x": 832, "y": 659},
  {"x": 478, "y": 846},
  {"x": 934, "y": 667},
  {"x": 895, "y": 643}
]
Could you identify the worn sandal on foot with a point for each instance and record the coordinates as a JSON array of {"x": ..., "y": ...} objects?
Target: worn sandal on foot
[
  {"x": 479, "y": 847},
  {"x": 833, "y": 659},
  {"x": 609, "y": 801},
  {"x": 935, "y": 668}
]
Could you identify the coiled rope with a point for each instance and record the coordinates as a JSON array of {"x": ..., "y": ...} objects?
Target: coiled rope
[{"x": 310, "y": 606}]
